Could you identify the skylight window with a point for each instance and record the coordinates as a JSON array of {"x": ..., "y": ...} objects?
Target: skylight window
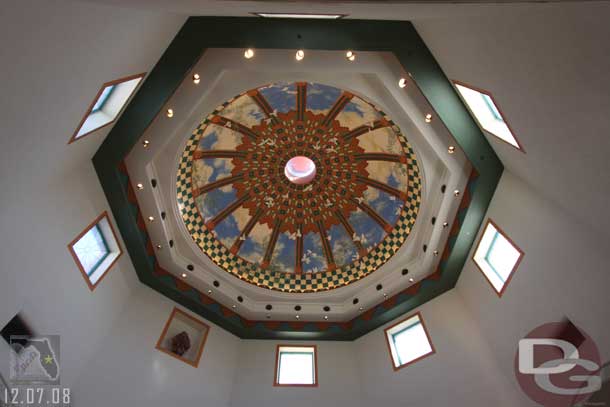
[
  {"x": 296, "y": 366},
  {"x": 497, "y": 257},
  {"x": 408, "y": 341},
  {"x": 486, "y": 111},
  {"x": 107, "y": 105},
  {"x": 301, "y": 15},
  {"x": 95, "y": 250}
]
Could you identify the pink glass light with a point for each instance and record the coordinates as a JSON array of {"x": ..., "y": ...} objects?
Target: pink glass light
[{"x": 300, "y": 170}]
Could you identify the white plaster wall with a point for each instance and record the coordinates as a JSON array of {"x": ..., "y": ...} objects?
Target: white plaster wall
[
  {"x": 54, "y": 57},
  {"x": 462, "y": 372},
  {"x": 564, "y": 273},
  {"x": 338, "y": 377},
  {"x": 127, "y": 370}
]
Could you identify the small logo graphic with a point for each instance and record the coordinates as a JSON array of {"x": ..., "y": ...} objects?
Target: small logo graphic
[
  {"x": 34, "y": 359},
  {"x": 558, "y": 365}
]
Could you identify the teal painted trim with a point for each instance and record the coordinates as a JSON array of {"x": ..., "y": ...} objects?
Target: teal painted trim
[{"x": 398, "y": 37}]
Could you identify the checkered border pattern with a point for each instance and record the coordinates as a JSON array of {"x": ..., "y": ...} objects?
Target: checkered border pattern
[{"x": 290, "y": 282}]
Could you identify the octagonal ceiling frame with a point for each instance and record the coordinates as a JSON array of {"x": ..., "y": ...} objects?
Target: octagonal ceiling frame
[{"x": 398, "y": 37}]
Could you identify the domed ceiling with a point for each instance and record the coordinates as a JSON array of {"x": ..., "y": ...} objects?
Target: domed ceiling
[
  {"x": 298, "y": 187},
  {"x": 334, "y": 214}
]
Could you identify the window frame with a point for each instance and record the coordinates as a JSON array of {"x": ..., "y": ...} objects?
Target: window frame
[
  {"x": 113, "y": 83},
  {"x": 519, "y": 146},
  {"x": 314, "y": 354},
  {"x": 499, "y": 231},
  {"x": 119, "y": 251},
  {"x": 387, "y": 335}
]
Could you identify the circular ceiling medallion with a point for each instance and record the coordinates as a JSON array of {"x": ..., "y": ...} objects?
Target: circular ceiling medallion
[{"x": 298, "y": 187}]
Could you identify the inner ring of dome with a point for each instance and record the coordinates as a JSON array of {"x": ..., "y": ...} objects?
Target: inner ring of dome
[
  {"x": 298, "y": 187},
  {"x": 300, "y": 170}
]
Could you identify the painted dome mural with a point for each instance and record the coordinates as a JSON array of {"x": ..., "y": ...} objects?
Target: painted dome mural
[{"x": 298, "y": 187}]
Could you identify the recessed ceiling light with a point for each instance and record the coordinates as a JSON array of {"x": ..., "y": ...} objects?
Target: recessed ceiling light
[
  {"x": 159, "y": 247},
  {"x": 428, "y": 118},
  {"x": 385, "y": 294},
  {"x": 300, "y": 55},
  {"x": 445, "y": 224},
  {"x": 301, "y": 15},
  {"x": 151, "y": 218},
  {"x": 196, "y": 79},
  {"x": 297, "y": 316},
  {"x": 456, "y": 192},
  {"x": 249, "y": 53},
  {"x": 361, "y": 308},
  {"x": 451, "y": 150},
  {"x": 234, "y": 306},
  {"x": 350, "y": 55},
  {"x": 139, "y": 186},
  {"x": 402, "y": 82},
  {"x": 435, "y": 252},
  {"x": 145, "y": 143},
  {"x": 325, "y": 316},
  {"x": 183, "y": 275},
  {"x": 170, "y": 112},
  {"x": 411, "y": 280},
  {"x": 209, "y": 291}
]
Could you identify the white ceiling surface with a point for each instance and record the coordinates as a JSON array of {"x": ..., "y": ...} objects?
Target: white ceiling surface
[
  {"x": 224, "y": 74},
  {"x": 550, "y": 74},
  {"x": 357, "y": 10},
  {"x": 54, "y": 58}
]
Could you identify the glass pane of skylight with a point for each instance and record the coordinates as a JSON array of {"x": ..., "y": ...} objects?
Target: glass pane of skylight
[
  {"x": 411, "y": 343},
  {"x": 91, "y": 249},
  {"x": 103, "y": 98},
  {"x": 502, "y": 256},
  {"x": 487, "y": 114},
  {"x": 296, "y": 368},
  {"x": 496, "y": 256}
]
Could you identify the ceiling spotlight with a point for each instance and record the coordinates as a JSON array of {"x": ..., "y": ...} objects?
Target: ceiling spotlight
[
  {"x": 456, "y": 192},
  {"x": 385, "y": 294},
  {"x": 139, "y": 186},
  {"x": 249, "y": 53},
  {"x": 234, "y": 306},
  {"x": 411, "y": 280},
  {"x": 435, "y": 252},
  {"x": 145, "y": 143},
  {"x": 350, "y": 55},
  {"x": 451, "y": 150},
  {"x": 209, "y": 291},
  {"x": 151, "y": 218},
  {"x": 183, "y": 275},
  {"x": 428, "y": 118},
  {"x": 196, "y": 79},
  {"x": 445, "y": 224},
  {"x": 361, "y": 308},
  {"x": 325, "y": 316},
  {"x": 159, "y": 247},
  {"x": 170, "y": 112},
  {"x": 297, "y": 316},
  {"x": 300, "y": 55},
  {"x": 402, "y": 83}
]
